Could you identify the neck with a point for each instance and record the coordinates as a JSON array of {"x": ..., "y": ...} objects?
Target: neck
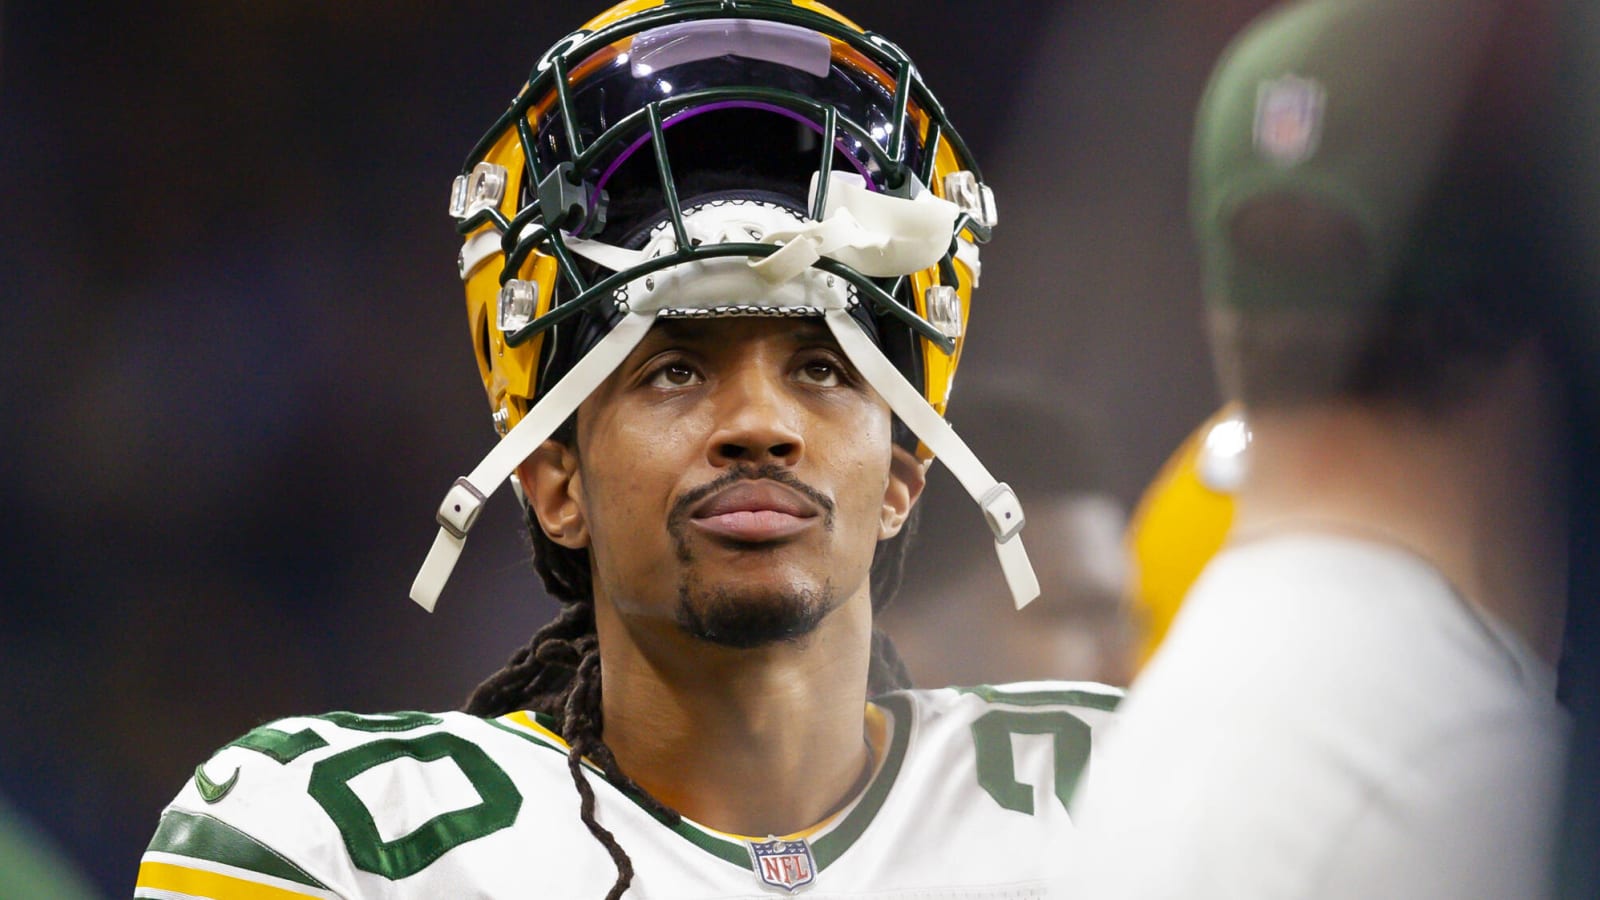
[
  {"x": 762, "y": 741},
  {"x": 1477, "y": 491}
]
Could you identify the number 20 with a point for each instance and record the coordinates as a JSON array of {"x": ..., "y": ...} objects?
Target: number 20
[{"x": 330, "y": 787}]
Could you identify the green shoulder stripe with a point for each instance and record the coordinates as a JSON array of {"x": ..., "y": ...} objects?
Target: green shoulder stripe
[
  {"x": 204, "y": 837},
  {"x": 1065, "y": 697}
]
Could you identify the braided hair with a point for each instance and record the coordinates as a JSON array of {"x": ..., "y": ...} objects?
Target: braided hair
[{"x": 558, "y": 672}]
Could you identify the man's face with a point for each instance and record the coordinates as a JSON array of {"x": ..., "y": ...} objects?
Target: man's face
[{"x": 734, "y": 476}]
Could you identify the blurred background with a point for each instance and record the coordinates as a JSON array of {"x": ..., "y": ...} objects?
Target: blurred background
[{"x": 237, "y": 378}]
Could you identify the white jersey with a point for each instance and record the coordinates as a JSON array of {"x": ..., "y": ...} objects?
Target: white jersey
[
  {"x": 968, "y": 800},
  {"x": 1327, "y": 719}
]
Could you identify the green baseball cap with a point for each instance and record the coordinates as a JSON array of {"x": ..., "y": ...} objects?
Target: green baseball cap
[{"x": 1341, "y": 152}]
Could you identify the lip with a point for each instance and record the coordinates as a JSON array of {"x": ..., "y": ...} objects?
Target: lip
[{"x": 755, "y": 512}]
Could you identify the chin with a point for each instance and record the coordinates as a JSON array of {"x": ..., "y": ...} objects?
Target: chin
[{"x": 749, "y": 617}]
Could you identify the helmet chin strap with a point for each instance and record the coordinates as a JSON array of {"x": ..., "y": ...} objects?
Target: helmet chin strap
[
  {"x": 462, "y": 504},
  {"x": 878, "y": 234},
  {"x": 999, "y": 503}
]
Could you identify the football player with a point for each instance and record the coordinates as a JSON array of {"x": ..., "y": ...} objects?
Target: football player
[
  {"x": 719, "y": 259},
  {"x": 1358, "y": 698}
]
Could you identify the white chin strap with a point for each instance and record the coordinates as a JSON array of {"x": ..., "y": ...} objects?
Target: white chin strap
[
  {"x": 999, "y": 503},
  {"x": 462, "y": 504},
  {"x": 879, "y": 235}
]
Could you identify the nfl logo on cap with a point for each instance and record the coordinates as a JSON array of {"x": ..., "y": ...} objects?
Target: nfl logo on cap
[
  {"x": 1288, "y": 119},
  {"x": 783, "y": 864}
]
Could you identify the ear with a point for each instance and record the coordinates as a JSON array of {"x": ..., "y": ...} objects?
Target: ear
[
  {"x": 554, "y": 487},
  {"x": 907, "y": 477}
]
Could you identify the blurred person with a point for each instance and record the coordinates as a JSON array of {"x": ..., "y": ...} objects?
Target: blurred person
[
  {"x": 1079, "y": 628},
  {"x": 1578, "y": 143},
  {"x": 1358, "y": 696},
  {"x": 719, "y": 260},
  {"x": 31, "y": 865}
]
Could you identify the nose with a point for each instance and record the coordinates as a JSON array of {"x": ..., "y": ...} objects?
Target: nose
[{"x": 756, "y": 420}]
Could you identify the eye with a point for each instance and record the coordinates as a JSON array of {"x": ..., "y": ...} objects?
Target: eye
[
  {"x": 674, "y": 375},
  {"x": 822, "y": 373}
]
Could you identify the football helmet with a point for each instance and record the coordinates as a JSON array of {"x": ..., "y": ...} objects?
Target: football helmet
[
  {"x": 1182, "y": 521},
  {"x": 716, "y": 158}
]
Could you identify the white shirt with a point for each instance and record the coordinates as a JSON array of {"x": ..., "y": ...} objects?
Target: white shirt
[
  {"x": 1327, "y": 718},
  {"x": 968, "y": 802}
]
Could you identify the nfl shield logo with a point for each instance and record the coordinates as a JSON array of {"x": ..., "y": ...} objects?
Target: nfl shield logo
[
  {"x": 1288, "y": 119},
  {"x": 783, "y": 864}
]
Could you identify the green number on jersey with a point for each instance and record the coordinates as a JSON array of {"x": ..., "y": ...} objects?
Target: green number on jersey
[
  {"x": 281, "y": 745},
  {"x": 408, "y": 855},
  {"x": 997, "y": 773},
  {"x": 399, "y": 721},
  {"x": 329, "y": 786}
]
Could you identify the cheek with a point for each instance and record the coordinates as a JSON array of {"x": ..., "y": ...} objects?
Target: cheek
[
  {"x": 631, "y": 473},
  {"x": 863, "y": 467}
]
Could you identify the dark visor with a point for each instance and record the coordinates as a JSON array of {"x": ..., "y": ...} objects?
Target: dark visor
[{"x": 693, "y": 68}]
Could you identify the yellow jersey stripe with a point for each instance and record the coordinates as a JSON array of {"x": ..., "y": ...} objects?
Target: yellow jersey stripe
[
  {"x": 526, "y": 720},
  {"x": 162, "y": 876}
]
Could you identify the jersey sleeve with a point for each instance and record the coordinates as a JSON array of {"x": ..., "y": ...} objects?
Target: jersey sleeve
[
  {"x": 227, "y": 832},
  {"x": 198, "y": 855},
  {"x": 333, "y": 806}
]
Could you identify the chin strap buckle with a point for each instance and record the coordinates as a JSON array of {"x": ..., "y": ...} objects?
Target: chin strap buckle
[
  {"x": 1003, "y": 511},
  {"x": 460, "y": 508},
  {"x": 462, "y": 504}
]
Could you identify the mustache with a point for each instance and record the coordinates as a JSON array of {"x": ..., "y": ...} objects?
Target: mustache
[{"x": 682, "y": 507}]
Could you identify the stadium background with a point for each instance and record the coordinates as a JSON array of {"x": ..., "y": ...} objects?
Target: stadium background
[{"x": 236, "y": 378}]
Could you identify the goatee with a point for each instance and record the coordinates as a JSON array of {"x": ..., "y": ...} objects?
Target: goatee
[{"x": 741, "y": 621}]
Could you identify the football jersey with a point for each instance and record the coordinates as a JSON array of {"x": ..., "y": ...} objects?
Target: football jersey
[{"x": 967, "y": 800}]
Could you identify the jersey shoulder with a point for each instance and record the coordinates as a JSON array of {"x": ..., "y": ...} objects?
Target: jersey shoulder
[
  {"x": 314, "y": 806},
  {"x": 989, "y": 770},
  {"x": 1093, "y": 702},
  {"x": 1038, "y": 732}
]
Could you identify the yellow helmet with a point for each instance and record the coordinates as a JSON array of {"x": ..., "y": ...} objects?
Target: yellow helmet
[
  {"x": 1182, "y": 520},
  {"x": 582, "y": 130},
  {"x": 708, "y": 158}
]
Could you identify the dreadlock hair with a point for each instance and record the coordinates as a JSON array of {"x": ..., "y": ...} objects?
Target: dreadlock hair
[{"x": 558, "y": 672}]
